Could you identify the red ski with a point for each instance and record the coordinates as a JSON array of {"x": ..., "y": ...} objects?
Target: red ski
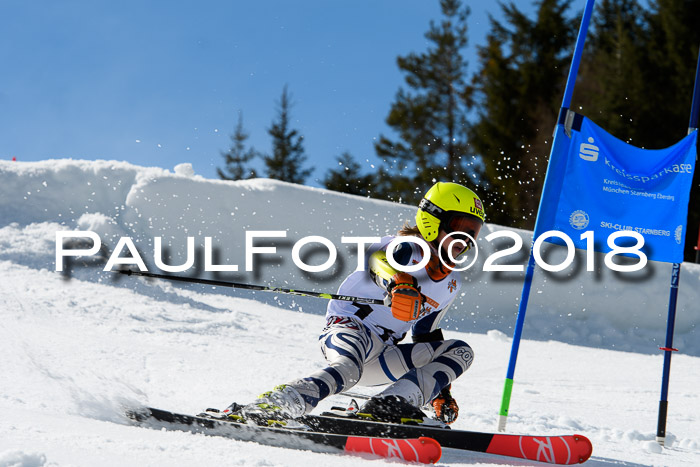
[
  {"x": 567, "y": 449},
  {"x": 419, "y": 449},
  {"x": 563, "y": 450}
]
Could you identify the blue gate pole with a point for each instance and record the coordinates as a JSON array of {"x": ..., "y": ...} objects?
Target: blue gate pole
[
  {"x": 668, "y": 350},
  {"x": 522, "y": 307},
  {"x": 673, "y": 294}
]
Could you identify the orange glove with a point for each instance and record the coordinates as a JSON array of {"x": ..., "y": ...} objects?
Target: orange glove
[
  {"x": 446, "y": 408},
  {"x": 404, "y": 297}
]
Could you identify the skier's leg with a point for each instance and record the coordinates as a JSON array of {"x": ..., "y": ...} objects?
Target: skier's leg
[
  {"x": 346, "y": 344},
  {"x": 418, "y": 371}
]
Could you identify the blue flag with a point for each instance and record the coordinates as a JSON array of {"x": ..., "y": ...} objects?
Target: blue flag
[{"x": 599, "y": 183}]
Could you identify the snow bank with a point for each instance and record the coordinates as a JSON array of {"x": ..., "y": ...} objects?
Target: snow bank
[{"x": 625, "y": 311}]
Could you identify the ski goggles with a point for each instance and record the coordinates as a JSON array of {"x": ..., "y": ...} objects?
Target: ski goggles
[{"x": 460, "y": 222}]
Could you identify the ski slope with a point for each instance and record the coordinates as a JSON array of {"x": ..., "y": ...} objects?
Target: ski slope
[{"x": 75, "y": 351}]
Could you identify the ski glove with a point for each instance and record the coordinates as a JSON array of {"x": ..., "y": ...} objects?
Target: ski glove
[
  {"x": 446, "y": 408},
  {"x": 404, "y": 297}
]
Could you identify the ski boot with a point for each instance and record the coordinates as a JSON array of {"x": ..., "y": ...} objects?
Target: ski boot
[
  {"x": 276, "y": 407},
  {"x": 391, "y": 409}
]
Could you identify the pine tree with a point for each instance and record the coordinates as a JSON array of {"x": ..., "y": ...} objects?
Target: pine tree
[
  {"x": 431, "y": 116},
  {"x": 612, "y": 74},
  {"x": 519, "y": 85},
  {"x": 237, "y": 157},
  {"x": 673, "y": 50},
  {"x": 673, "y": 53},
  {"x": 287, "y": 157},
  {"x": 347, "y": 178}
]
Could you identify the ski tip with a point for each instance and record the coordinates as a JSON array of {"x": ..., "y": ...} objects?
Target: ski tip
[
  {"x": 137, "y": 414},
  {"x": 433, "y": 450},
  {"x": 562, "y": 450},
  {"x": 584, "y": 448}
]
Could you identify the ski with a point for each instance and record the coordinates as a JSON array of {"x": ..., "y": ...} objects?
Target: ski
[
  {"x": 564, "y": 450},
  {"x": 421, "y": 449}
]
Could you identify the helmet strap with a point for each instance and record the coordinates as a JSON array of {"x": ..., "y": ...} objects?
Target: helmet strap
[
  {"x": 436, "y": 268},
  {"x": 431, "y": 208}
]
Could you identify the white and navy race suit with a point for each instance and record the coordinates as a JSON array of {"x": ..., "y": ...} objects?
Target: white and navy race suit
[{"x": 361, "y": 342}]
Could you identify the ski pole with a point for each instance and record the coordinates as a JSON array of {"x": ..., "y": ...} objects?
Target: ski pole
[{"x": 260, "y": 288}]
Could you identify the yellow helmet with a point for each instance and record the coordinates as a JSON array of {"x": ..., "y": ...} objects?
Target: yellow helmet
[{"x": 446, "y": 203}]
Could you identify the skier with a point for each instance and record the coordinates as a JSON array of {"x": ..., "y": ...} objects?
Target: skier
[{"x": 361, "y": 342}]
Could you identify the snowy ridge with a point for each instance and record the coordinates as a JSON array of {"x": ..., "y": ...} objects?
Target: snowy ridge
[{"x": 77, "y": 350}]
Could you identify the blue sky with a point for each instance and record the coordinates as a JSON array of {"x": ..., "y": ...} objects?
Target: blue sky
[{"x": 159, "y": 83}]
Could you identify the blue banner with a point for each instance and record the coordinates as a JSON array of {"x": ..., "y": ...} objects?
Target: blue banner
[{"x": 602, "y": 184}]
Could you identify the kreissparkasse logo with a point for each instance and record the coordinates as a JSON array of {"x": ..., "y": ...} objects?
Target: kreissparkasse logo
[{"x": 588, "y": 151}]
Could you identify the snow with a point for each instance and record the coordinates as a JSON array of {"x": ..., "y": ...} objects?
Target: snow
[{"x": 77, "y": 347}]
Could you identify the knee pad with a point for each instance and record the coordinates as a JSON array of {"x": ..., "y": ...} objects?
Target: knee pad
[{"x": 461, "y": 351}]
